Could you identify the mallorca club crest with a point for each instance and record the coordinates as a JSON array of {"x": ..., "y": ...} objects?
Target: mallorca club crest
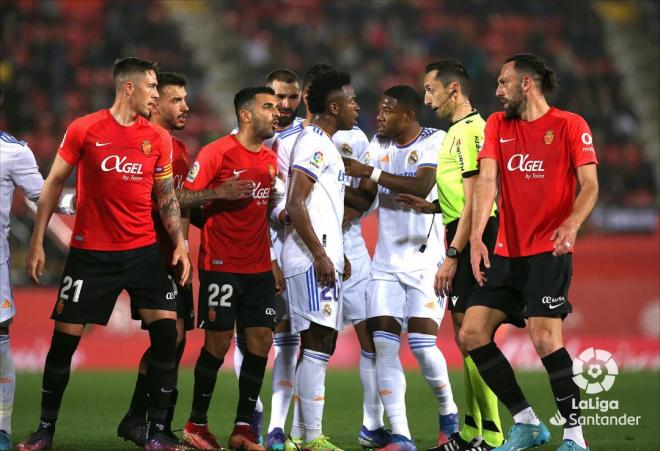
[
  {"x": 60, "y": 306},
  {"x": 346, "y": 149},
  {"x": 549, "y": 137},
  {"x": 212, "y": 315},
  {"x": 413, "y": 157},
  {"x": 146, "y": 147},
  {"x": 271, "y": 171}
]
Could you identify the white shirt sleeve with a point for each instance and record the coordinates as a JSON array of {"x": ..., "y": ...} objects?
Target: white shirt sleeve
[
  {"x": 430, "y": 149},
  {"x": 309, "y": 157}
]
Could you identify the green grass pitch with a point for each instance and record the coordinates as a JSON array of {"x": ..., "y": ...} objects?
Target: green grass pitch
[{"x": 95, "y": 402}]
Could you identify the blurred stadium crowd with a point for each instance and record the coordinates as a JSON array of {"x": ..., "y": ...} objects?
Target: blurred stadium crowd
[{"x": 57, "y": 58}]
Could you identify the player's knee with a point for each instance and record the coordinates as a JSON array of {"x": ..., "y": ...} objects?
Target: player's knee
[
  {"x": 217, "y": 343},
  {"x": 259, "y": 341},
  {"x": 471, "y": 337},
  {"x": 545, "y": 340}
]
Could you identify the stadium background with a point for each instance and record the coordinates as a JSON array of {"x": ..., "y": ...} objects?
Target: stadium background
[{"x": 56, "y": 61}]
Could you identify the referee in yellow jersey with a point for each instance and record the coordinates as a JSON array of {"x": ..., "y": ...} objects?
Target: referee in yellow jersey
[{"x": 447, "y": 86}]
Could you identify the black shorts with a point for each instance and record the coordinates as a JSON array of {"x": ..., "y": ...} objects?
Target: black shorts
[
  {"x": 228, "y": 299},
  {"x": 524, "y": 287},
  {"x": 185, "y": 306},
  {"x": 92, "y": 280},
  {"x": 464, "y": 283}
]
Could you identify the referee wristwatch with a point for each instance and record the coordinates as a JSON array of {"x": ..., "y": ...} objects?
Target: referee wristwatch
[{"x": 452, "y": 252}]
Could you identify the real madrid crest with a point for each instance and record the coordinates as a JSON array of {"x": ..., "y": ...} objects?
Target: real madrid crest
[
  {"x": 346, "y": 149},
  {"x": 327, "y": 310},
  {"x": 413, "y": 157},
  {"x": 146, "y": 147},
  {"x": 549, "y": 137}
]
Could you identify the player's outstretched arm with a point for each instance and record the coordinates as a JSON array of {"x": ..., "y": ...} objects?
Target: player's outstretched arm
[
  {"x": 230, "y": 189},
  {"x": 485, "y": 190},
  {"x": 48, "y": 200},
  {"x": 301, "y": 187},
  {"x": 170, "y": 215},
  {"x": 419, "y": 185},
  {"x": 565, "y": 235},
  {"x": 362, "y": 197}
]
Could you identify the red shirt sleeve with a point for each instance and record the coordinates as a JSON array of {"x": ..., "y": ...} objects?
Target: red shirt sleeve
[
  {"x": 491, "y": 142},
  {"x": 72, "y": 143},
  {"x": 580, "y": 142},
  {"x": 163, "y": 168},
  {"x": 204, "y": 169}
]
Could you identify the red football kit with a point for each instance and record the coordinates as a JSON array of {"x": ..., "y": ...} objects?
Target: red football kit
[
  {"x": 117, "y": 166},
  {"x": 234, "y": 236},
  {"x": 180, "y": 166},
  {"x": 537, "y": 163}
]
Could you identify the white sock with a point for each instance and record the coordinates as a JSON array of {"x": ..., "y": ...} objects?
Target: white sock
[
  {"x": 297, "y": 427},
  {"x": 372, "y": 406},
  {"x": 7, "y": 384},
  {"x": 575, "y": 433},
  {"x": 434, "y": 368},
  {"x": 391, "y": 381},
  {"x": 527, "y": 416},
  {"x": 239, "y": 346},
  {"x": 310, "y": 379},
  {"x": 284, "y": 368}
]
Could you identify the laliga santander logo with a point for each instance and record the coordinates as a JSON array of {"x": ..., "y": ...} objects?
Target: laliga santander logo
[{"x": 594, "y": 371}]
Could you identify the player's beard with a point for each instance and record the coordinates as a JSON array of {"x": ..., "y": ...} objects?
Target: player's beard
[
  {"x": 284, "y": 122},
  {"x": 515, "y": 106}
]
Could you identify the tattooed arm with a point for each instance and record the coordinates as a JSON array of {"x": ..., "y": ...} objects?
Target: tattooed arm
[
  {"x": 231, "y": 189},
  {"x": 170, "y": 215}
]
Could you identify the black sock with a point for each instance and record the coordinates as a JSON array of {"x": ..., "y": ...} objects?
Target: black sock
[
  {"x": 161, "y": 372},
  {"x": 140, "y": 399},
  {"x": 249, "y": 385},
  {"x": 498, "y": 374},
  {"x": 56, "y": 377},
  {"x": 206, "y": 373},
  {"x": 175, "y": 394},
  {"x": 567, "y": 394}
]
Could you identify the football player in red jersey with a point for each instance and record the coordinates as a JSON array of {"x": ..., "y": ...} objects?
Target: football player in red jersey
[
  {"x": 121, "y": 158},
  {"x": 171, "y": 114},
  {"x": 239, "y": 276},
  {"x": 539, "y": 153}
]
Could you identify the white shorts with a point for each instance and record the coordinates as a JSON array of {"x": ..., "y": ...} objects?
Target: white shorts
[
  {"x": 404, "y": 295},
  {"x": 282, "y": 307},
  {"x": 310, "y": 302},
  {"x": 354, "y": 291},
  {"x": 7, "y": 306}
]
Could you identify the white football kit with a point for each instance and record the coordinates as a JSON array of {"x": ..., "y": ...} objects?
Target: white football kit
[
  {"x": 410, "y": 244},
  {"x": 315, "y": 154},
  {"x": 353, "y": 144}
]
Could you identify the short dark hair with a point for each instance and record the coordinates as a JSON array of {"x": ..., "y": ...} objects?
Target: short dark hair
[
  {"x": 132, "y": 65},
  {"x": 406, "y": 97},
  {"x": 322, "y": 86},
  {"x": 247, "y": 95},
  {"x": 283, "y": 75},
  {"x": 529, "y": 64},
  {"x": 171, "y": 79},
  {"x": 313, "y": 72},
  {"x": 451, "y": 70}
]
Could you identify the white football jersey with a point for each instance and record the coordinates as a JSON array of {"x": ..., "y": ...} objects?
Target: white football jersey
[
  {"x": 402, "y": 232},
  {"x": 269, "y": 142},
  {"x": 282, "y": 147},
  {"x": 353, "y": 144},
  {"x": 315, "y": 154}
]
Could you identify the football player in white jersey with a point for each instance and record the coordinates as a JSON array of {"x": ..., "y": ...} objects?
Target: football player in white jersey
[
  {"x": 313, "y": 254},
  {"x": 286, "y": 85},
  {"x": 18, "y": 168},
  {"x": 403, "y": 160}
]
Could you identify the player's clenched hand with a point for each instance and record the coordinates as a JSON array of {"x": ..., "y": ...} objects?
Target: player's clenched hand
[
  {"x": 347, "y": 269},
  {"x": 180, "y": 258},
  {"x": 479, "y": 253},
  {"x": 354, "y": 168},
  {"x": 564, "y": 239},
  {"x": 416, "y": 203},
  {"x": 324, "y": 270},
  {"x": 35, "y": 262},
  {"x": 234, "y": 189},
  {"x": 444, "y": 277},
  {"x": 349, "y": 215},
  {"x": 279, "y": 278}
]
